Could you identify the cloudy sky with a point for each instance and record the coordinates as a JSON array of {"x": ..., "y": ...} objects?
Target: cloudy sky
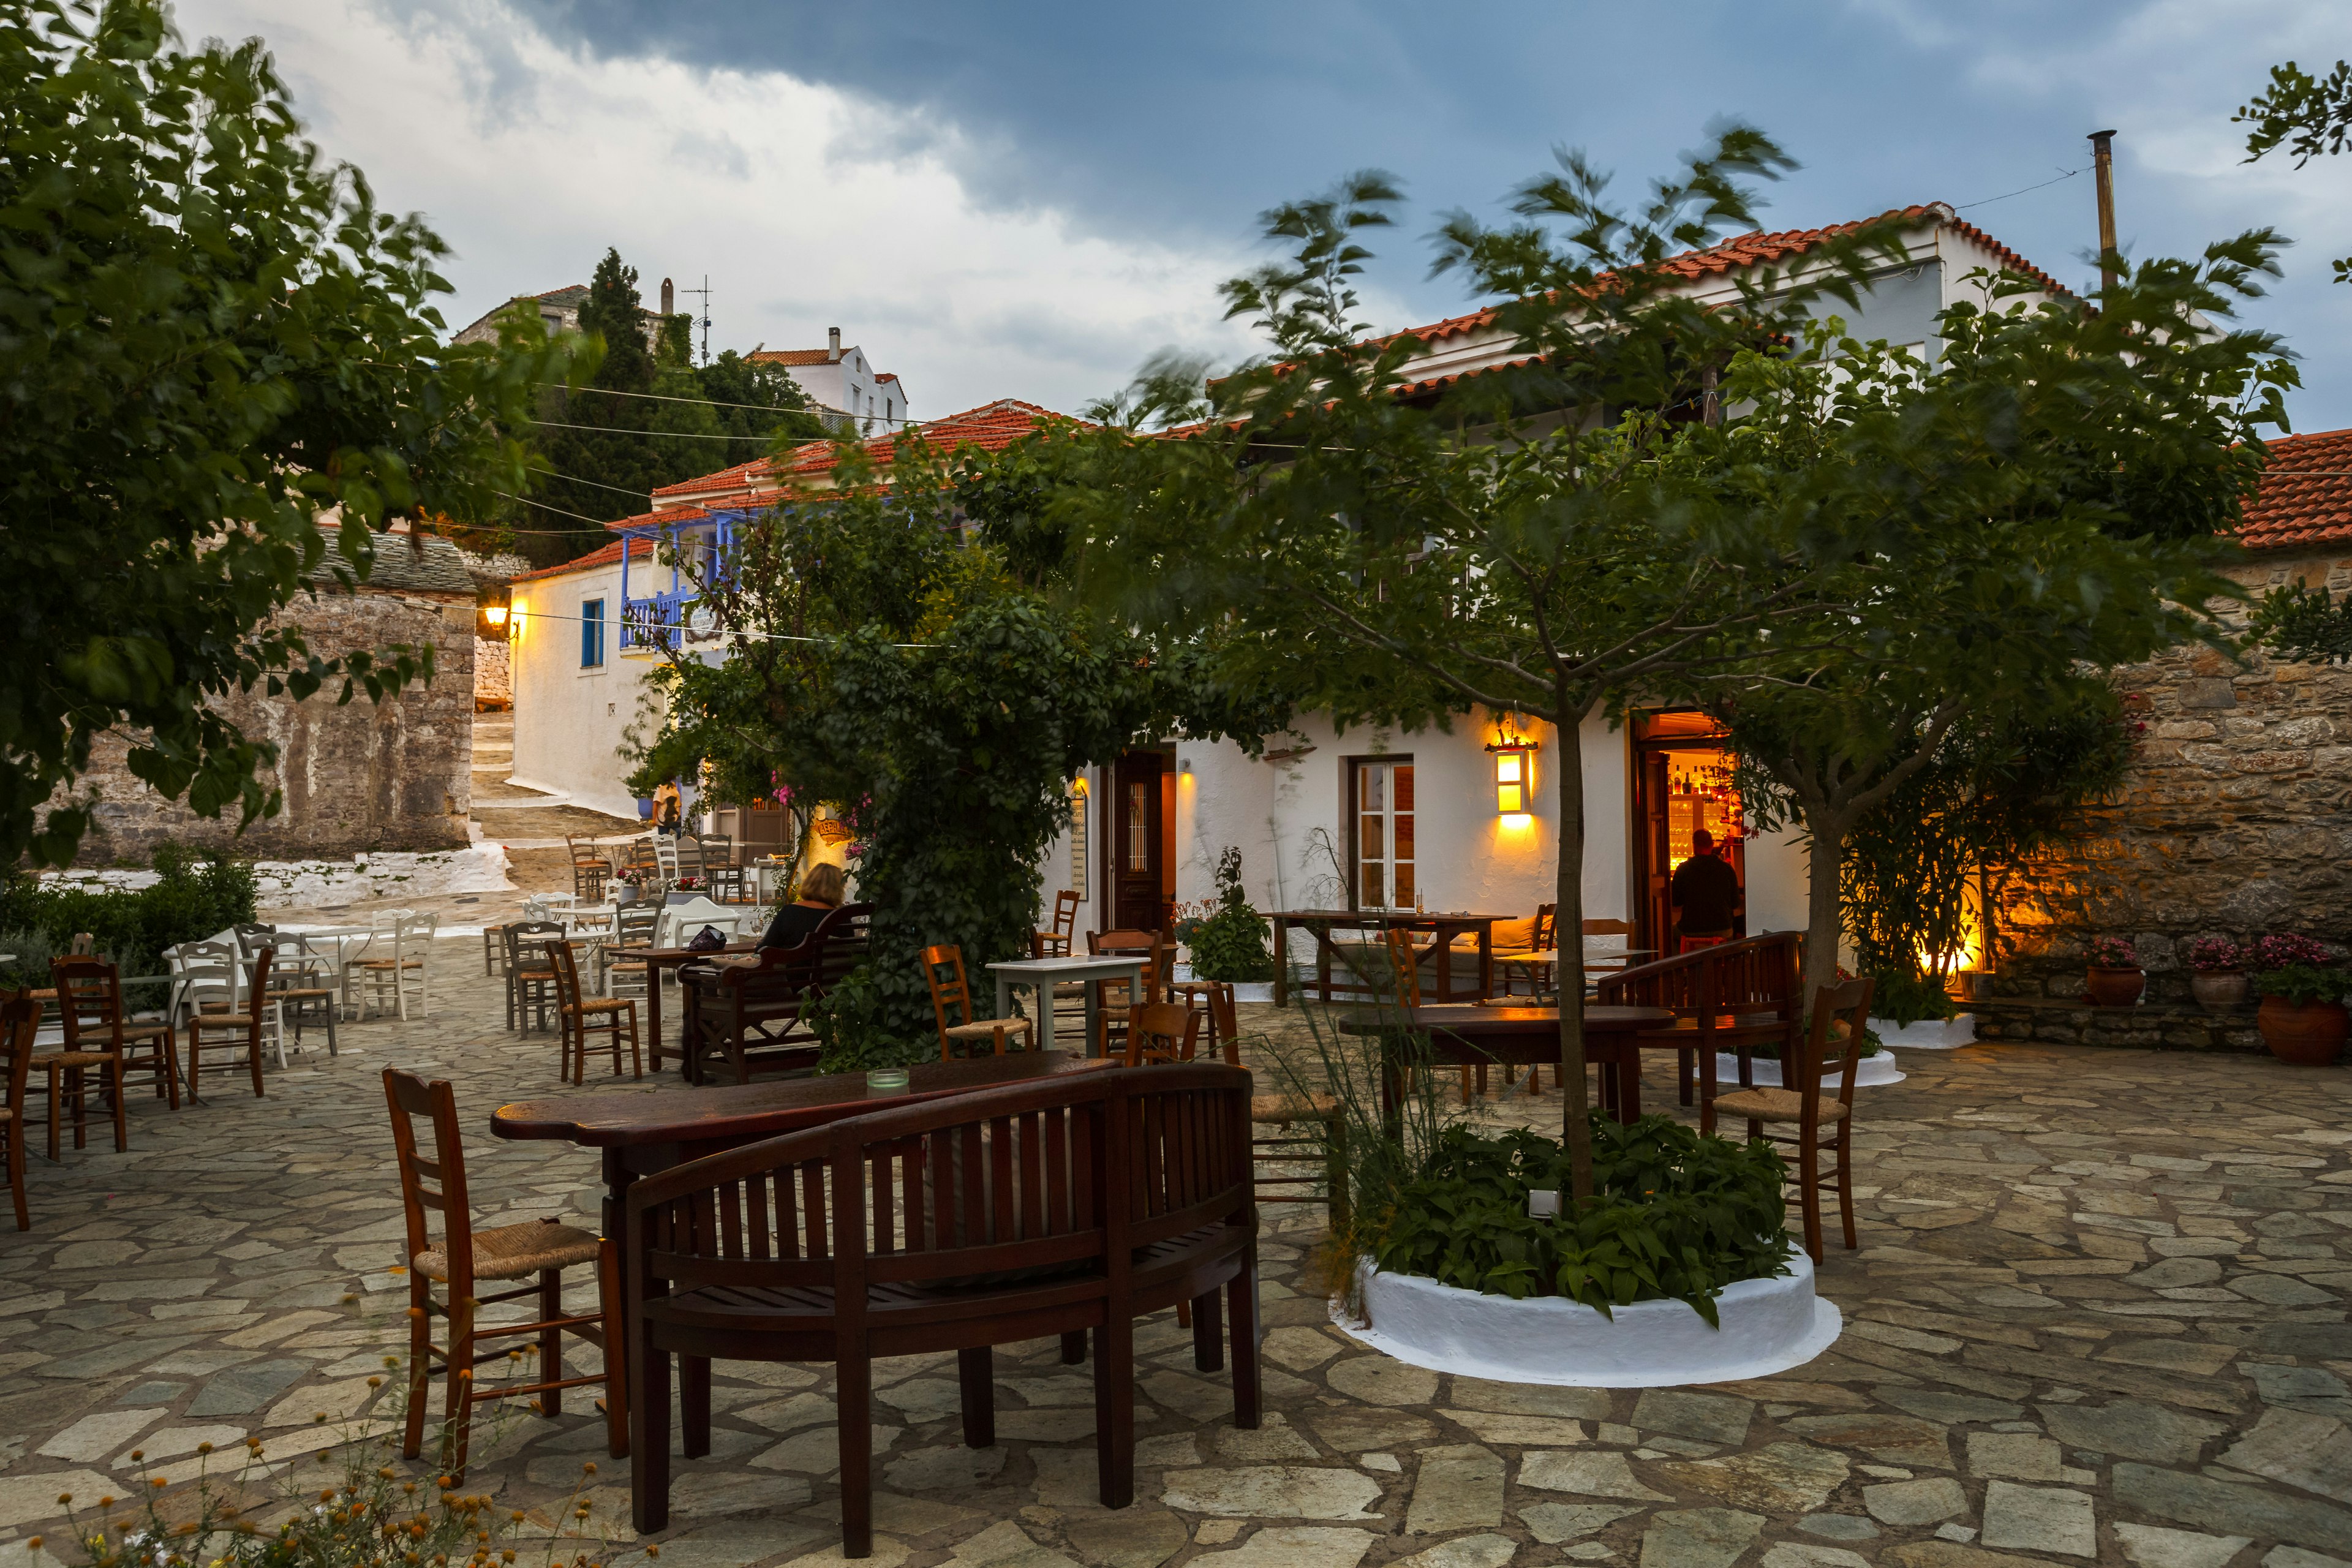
[{"x": 1027, "y": 201}]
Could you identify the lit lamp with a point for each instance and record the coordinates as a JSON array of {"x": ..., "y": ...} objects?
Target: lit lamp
[
  {"x": 1515, "y": 768},
  {"x": 496, "y": 614}
]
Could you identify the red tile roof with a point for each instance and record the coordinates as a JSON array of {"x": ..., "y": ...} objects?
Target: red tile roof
[
  {"x": 604, "y": 556},
  {"x": 791, "y": 356},
  {"x": 1761, "y": 250},
  {"x": 666, "y": 517},
  {"x": 990, "y": 427},
  {"x": 886, "y": 375},
  {"x": 2307, "y": 494}
]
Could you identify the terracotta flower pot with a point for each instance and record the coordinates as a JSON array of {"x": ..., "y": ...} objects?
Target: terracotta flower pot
[
  {"x": 2115, "y": 987},
  {"x": 2218, "y": 990},
  {"x": 2303, "y": 1033}
]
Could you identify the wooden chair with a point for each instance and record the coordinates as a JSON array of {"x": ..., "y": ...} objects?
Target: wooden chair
[
  {"x": 626, "y": 970},
  {"x": 530, "y": 974},
  {"x": 1404, "y": 958},
  {"x": 1730, "y": 998},
  {"x": 298, "y": 989},
  {"x": 494, "y": 952},
  {"x": 1055, "y": 943},
  {"x": 1542, "y": 933},
  {"x": 20, "y": 1020},
  {"x": 230, "y": 1030},
  {"x": 577, "y": 1013},
  {"x": 1801, "y": 1117},
  {"x": 943, "y": 970},
  {"x": 1076, "y": 1203},
  {"x": 462, "y": 1257},
  {"x": 590, "y": 869},
  {"x": 1041, "y": 946},
  {"x": 1115, "y": 998},
  {"x": 65, "y": 1072},
  {"x": 753, "y": 1009},
  {"x": 1162, "y": 1032},
  {"x": 90, "y": 1004},
  {"x": 1313, "y": 1121}
]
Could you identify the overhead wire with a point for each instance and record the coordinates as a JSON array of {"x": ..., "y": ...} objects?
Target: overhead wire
[
  {"x": 2006, "y": 195},
  {"x": 754, "y": 407}
]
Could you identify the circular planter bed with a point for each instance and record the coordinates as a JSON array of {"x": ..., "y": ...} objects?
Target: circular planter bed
[
  {"x": 1928, "y": 1034},
  {"x": 1768, "y": 1326},
  {"x": 1244, "y": 990},
  {"x": 1872, "y": 1072}
]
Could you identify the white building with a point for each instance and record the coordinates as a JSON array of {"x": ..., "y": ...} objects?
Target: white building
[
  {"x": 843, "y": 383},
  {"x": 1379, "y": 819}
]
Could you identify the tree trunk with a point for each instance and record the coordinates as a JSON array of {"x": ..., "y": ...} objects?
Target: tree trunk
[
  {"x": 1824, "y": 924},
  {"x": 1568, "y": 939}
]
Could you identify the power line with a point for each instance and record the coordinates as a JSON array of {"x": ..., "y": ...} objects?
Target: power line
[
  {"x": 623, "y": 430},
  {"x": 544, "y": 506},
  {"x": 754, "y": 407},
  {"x": 536, "y": 615},
  {"x": 599, "y": 484},
  {"x": 2044, "y": 185}
]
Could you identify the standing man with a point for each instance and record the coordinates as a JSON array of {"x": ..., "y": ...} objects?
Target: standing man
[{"x": 1706, "y": 896}]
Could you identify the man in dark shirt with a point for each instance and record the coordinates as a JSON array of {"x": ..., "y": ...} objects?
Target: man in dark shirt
[{"x": 1706, "y": 891}]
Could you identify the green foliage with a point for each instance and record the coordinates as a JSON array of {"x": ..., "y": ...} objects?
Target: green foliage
[
  {"x": 2309, "y": 116},
  {"x": 2298, "y": 621},
  {"x": 2305, "y": 983},
  {"x": 1673, "y": 1215},
  {"x": 196, "y": 896},
  {"x": 849, "y": 1020},
  {"x": 29, "y": 965},
  {"x": 209, "y": 337},
  {"x": 941, "y": 702},
  {"x": 2009, "y": 785},
  {"x": 1230, "y": 942}
]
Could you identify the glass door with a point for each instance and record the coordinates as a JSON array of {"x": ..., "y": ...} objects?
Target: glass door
[{"x": 1383, "y": 841}]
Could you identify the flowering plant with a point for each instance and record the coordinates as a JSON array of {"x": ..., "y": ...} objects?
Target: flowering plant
[
  {"x": 2284, "y": 952},
  {"x": 2215, "y": 955},
  {"x": 2113, "y": 953}
]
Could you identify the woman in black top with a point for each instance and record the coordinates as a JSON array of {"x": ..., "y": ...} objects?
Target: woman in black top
[{"x": 821, "y": 893}]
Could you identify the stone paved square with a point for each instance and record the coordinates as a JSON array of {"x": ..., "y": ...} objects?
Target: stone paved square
[{"x": 2098, "y": 1313}]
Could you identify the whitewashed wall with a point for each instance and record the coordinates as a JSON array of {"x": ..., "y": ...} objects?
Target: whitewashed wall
[{"x": 569, "y": 721}]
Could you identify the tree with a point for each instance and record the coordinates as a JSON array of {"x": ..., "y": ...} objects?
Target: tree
[
  {"x": 889, "y": 663},
  {"x": 212, "y": 343},
  {"x": 2305, "y": 115},
  {"x": 1521, "y": 544},
  {"x": 743, "y": 393},
  {"x": 2046, "y": 498}
]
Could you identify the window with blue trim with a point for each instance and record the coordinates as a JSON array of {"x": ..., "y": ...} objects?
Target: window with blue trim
[{"x": 591, "y": 634}]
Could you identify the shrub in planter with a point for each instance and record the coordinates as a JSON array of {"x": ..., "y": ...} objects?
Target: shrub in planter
[
  {"x": 194, "y": 897},
  {"x": 2217, "y": 971},
  {"x": 1909, "y": 996},
  {"x": 1674, "y": 1215},
  {"x": 1230, "y": 942},
  {"x": 2302, "y": 1017},
  {"x": 2115, "y": 978}
]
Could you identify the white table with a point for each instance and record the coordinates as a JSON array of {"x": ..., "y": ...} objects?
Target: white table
[{"x": 1041, "y": 974}]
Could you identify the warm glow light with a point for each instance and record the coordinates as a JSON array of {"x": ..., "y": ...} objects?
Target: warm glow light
[
  {"x": 496, "y": 614},
  {"x": 1518, "y": 821},
  {"x": 1514, "y": 772}
]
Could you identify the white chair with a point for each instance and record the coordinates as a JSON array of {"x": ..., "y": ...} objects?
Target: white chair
[
  {"x": 399, "y": 970},
  {"x": 679, "y": 922},
  {"x": 666, "y": 855},
  {"x": 209, "y": 977},
  {"x": 632, "y": 927}
]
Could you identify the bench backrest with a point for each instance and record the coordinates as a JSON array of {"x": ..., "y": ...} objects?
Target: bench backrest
[
  {"x": 1062, "y": 1178},
  {"x": 1754, "y": 974}
]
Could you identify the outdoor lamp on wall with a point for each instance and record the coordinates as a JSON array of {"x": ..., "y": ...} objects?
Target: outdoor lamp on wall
[
  {"x": 1514, "y": 775},
  {"x": 496, "y": 614}
]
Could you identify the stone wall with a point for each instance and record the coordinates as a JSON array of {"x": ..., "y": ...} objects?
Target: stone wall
[
  {"x": 362, "y": 777},
  {"x": 2237, "y": 822},
  {"x": 492, "y": 685}
]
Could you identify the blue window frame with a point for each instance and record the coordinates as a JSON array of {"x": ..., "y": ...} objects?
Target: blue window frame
[{"x": 591, "y": 634}]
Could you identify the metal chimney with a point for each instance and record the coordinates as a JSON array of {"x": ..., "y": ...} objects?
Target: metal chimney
[
  {"x": 832, "y": 345},
  {"x": 2103, "y": 168},
  {"x": 670, "y": 298}
]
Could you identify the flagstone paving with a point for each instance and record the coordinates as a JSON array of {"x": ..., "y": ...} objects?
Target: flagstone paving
[{"x": 2098, "y": 1314}]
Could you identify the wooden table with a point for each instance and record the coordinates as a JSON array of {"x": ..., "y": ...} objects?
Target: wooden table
[
  {"x": 658, "y": 958},
  {"x": 1548, "y": 958},
  {"x": 1320, "y": 924},
  {"x": 1460, "y": 1036},
  {"x": 1040, "y": 973}
]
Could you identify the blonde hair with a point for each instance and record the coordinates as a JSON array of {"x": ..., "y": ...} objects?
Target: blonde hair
[{"x": 824, "y": 884}]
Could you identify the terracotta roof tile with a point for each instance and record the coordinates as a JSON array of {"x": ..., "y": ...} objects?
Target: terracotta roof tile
[
  {"x": 604, "y": 556},
  {"x": 990, "y": 427},
  {"x": 666, "y": 517},
  {"x": 2307, "y": 494},
  {"x": 791, "y": 356}
]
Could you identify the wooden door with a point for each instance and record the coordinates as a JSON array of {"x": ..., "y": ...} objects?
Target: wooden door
[
  {"x": 1136, "y": 850},
  {"x": 1653, "y": 915}
]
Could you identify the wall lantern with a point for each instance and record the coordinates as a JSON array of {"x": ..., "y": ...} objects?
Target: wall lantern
[
  {"x": 1515, "y": 769},
  {"x": 496, "y": 614}
]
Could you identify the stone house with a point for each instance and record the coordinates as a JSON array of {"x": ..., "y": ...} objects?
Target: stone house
[
  {"x": 2237, "y": 817},
  {"x": 356, "y": 777}
]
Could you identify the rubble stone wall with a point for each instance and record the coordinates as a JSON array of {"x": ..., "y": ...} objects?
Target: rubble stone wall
[
  {"x": 2236, "y": 821},
  {"x": 362, "y": 777},
  {"x": 493, "y": 683}
]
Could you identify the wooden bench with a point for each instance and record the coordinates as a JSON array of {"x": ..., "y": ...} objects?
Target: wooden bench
[
  {"x": 1731, "y": 997},
  {"x": 750, "y": 1008}
]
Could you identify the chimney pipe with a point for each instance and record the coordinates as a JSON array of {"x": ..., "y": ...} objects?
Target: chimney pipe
[
  {"x": 2103, "y": 166},
  {"x": 670, "y": 298},
  {"x": 832, "y": 345}
]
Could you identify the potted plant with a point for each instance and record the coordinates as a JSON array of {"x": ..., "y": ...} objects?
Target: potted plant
[
  {"x": 2217, "y": 973},
  {"x": 2302, "y": 1017},
  {"x": 1229, "y": 942},
  {"x": 2115, "y": 978}
]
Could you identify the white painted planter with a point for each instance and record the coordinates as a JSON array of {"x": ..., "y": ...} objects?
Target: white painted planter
[
  {"x": 1768, "y": 1326},
  {"x": 1928, "y": 1034},
  {"x": 1243, "y": 991},
  {"x": 1873, "y": 1071}
]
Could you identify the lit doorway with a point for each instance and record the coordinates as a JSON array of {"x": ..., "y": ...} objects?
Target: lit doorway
[
  {"x": 1682, "y": 783},
  {"x": 1139, "y": 851}
]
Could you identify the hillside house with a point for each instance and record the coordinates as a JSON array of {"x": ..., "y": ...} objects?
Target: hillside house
[{"x": 847, "y": 391}]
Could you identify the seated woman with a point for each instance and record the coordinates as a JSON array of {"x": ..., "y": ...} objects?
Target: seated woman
[{"x": 821, "y": 893}]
